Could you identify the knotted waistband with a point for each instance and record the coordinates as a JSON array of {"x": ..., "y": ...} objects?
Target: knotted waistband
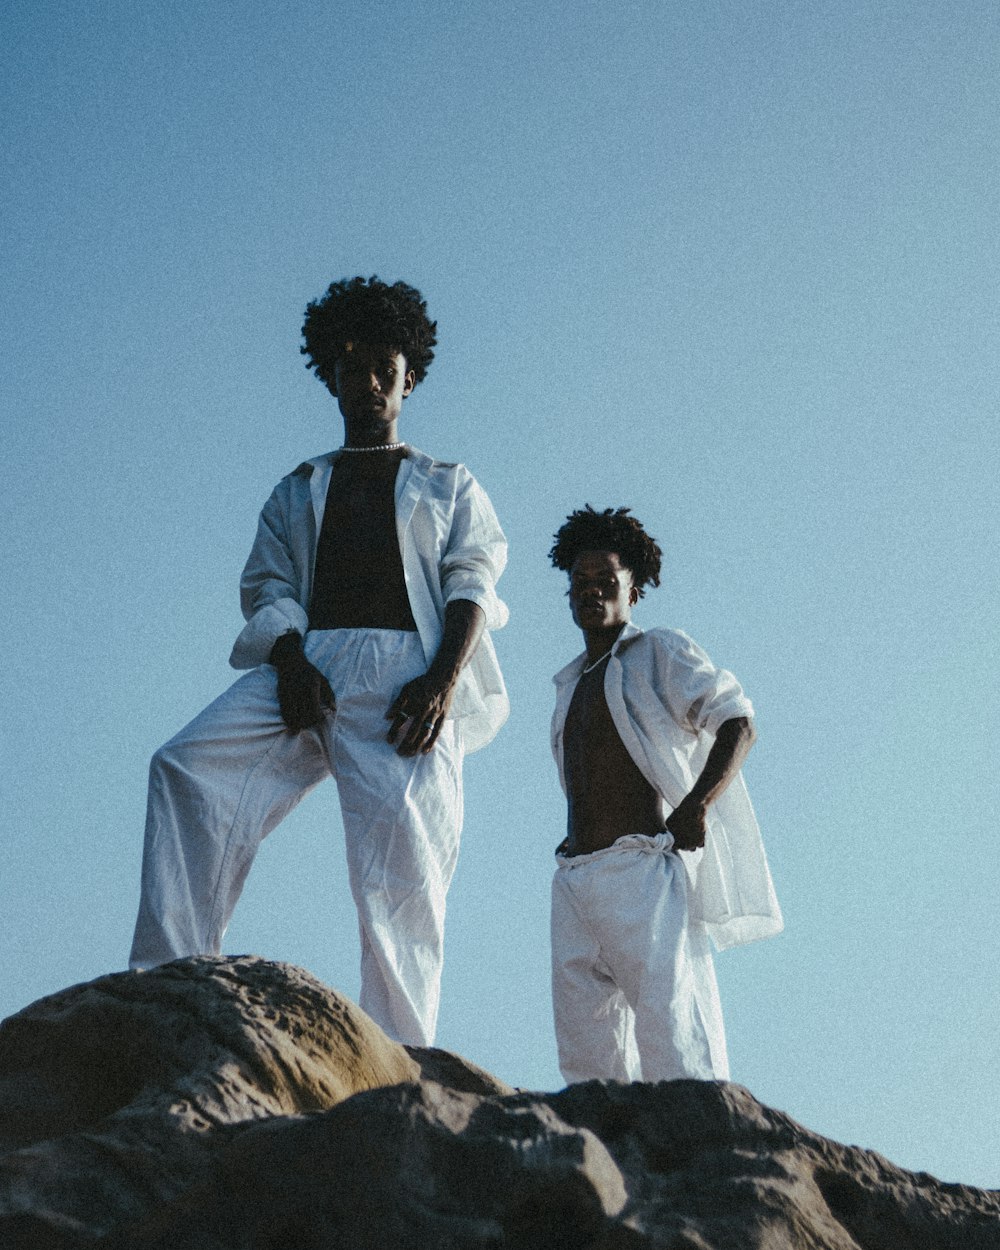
[{"x": 661, "y": 843}]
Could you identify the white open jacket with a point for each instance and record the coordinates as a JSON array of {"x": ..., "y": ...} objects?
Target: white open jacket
[
  {"x": 667, "y": 701},
  {"x": 452, "y": 547}
]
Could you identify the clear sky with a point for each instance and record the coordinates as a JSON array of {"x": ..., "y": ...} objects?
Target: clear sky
[{"x": 733, "y": 263}]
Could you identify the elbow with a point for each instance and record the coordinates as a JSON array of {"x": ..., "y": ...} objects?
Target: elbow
[
  {"x": 747, "y": 731},
  {"x": 739, "y": 731}
]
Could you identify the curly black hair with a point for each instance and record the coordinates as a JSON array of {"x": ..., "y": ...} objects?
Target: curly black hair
[
  {"x": 367, "y": 310},
  {"x": 610, "y": 530}
]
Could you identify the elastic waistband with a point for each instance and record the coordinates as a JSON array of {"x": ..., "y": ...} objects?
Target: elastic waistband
[
  {"x": 661, "y": 843},
  {"x": 366, "y": 658},
  {"x": 362, "y": 631}
]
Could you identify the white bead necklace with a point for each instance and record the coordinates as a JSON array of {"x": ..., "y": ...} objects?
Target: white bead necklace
[{"x": 377, "y": 447}]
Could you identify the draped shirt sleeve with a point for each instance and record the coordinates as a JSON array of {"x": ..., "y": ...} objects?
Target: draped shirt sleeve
[
  {"x": 276, "y": 580},
  {"x": 476, "y": 552}
]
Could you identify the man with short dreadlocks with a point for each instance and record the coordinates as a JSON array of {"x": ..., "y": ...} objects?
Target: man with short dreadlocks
[
  {"x": 368, "y": 596},
  {"x": 662, "y": 849}
]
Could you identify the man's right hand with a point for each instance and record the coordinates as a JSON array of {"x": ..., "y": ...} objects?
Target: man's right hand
[
  {"x": 304, "y": 694},
  {"x": 688, "y": 825}
]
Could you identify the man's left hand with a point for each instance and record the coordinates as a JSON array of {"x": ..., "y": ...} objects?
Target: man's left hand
[
  {"x": 424, "y": 703},
  {"x": 687, "y": 823}
]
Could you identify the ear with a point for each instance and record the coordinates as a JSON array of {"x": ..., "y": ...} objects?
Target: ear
[
  {"x": 409, "y": 382},
  {"x": 633, "y": 595}
]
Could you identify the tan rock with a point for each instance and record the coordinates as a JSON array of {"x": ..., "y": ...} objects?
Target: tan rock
[
  {"x": 115, "y": 1095},
  {"x": 228, "y": 1104}
]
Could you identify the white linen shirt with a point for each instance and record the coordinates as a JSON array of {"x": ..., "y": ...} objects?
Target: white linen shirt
[
  {"x": 667, "y": 700},
  {"x": 452, "y": 547}
]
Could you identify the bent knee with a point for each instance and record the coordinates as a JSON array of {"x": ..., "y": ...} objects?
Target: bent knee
[{"x": 174, "y": 758}]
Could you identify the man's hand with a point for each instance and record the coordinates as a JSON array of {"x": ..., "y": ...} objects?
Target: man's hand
[
  {"x": 304, "y": 694},
  {"x": 687, "y": 823},
  {"x": 425, "y": 703}
]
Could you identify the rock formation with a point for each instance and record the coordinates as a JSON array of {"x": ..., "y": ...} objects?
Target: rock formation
[{"x": 236, "y": 1104}]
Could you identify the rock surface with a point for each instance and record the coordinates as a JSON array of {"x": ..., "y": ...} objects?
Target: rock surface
[{"x": 230, "y": 1104}]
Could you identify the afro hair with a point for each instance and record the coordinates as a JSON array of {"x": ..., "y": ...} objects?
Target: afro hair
[
  {"x": 367, "y": 310},
  {"x": 610, "y": 530}
]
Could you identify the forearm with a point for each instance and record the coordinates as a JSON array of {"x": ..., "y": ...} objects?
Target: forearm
[
  {"x": 687, "y": 822},
  {"x": 731, "y": 747},
  {"x": 464, "y": 622},
  {"x": 425, "y": 701}
]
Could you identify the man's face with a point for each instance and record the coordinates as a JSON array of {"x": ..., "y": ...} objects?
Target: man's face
[
  {"x": 601, "y": 593},
  {"x": 372, "y": 382}
]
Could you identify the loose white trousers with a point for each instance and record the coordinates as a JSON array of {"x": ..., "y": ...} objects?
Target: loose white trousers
[
  {"x": 633, "y": 983},
  {"x": 226, "y": 780}
]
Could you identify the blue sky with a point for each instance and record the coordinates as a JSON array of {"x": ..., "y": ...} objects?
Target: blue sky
[{"x": 731, "y": 264}]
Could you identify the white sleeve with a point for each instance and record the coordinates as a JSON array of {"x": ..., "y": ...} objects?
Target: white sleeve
[
  {"x": 699, "y": 696},
  {"x": 268, "y": 590},
  {"x": 476, "y": 553}
]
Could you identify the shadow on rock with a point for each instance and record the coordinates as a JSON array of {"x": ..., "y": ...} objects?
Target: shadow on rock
[{"x": 235, "y": 1104}]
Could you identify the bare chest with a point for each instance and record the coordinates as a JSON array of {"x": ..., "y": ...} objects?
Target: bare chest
[
  {"x": 593, "y": 752},
  {"x": 607, "y": 794}
]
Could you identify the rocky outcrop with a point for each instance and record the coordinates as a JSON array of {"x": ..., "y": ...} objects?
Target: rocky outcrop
[{"x": 228, "y": 1104}]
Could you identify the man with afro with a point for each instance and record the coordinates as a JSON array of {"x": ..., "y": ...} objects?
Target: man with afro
[
  {"x": 662, "y": 848},
  {"x": 368, "y": 597}
]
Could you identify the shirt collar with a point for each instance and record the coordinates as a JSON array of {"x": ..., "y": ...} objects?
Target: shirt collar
[{"x": 575, "y": 667}]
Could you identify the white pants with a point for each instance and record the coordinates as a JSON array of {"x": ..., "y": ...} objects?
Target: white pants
[
  {"x": 633, "y": 984},
  {"x": 225, "y": 781}
]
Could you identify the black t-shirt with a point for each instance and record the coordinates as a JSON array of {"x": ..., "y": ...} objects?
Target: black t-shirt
[{"x": 358, "y": 580}]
